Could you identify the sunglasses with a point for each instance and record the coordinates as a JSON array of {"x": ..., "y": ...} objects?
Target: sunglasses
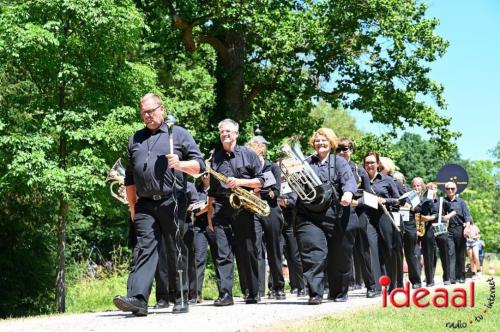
[
  {"x": 344, "y": 149},
  {"x": 450, "y": 188}
]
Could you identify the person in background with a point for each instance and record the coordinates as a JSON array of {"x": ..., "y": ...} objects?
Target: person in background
[{"x": 472, "y": 236}]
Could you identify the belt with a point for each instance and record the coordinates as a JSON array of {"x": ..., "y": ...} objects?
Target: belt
[{"x": 156, "y": 197}]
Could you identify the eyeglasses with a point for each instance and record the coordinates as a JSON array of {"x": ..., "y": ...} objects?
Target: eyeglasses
[
  {"x": 452, "y": 189},
  {"x": 370, "y": 162},
  {"x": 344, "y": 149},
  {"x": 150, "y": 112}
]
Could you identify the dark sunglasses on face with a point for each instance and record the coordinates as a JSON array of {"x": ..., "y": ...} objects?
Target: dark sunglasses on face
[
  {"x": 451, "y": 189},
  {"x": 343, "y": 149}
]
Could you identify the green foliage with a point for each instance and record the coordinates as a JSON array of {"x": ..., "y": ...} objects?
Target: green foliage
[
  {"x": 342, "y": 123},
  {"x": 70, "y": 79},
  {"x": 421, "y": 158},
  {"x": 481, "y": 196}
]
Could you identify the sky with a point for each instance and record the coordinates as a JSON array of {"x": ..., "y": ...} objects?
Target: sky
[{"x": 469, "y": 72}]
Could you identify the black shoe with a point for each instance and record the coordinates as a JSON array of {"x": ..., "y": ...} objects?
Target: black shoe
[
  {"x": 416, "y": 286},
  {"x": 294, "y": 291},
  {"x": 372, "y": 293},
  {"x": 252, "y": 299},
  {"x": 280, "y": 295},
  {"x": 301, "y": 292},
  {"x": 446, "y": 282},
  {"x": 429, "y": 284},
  {"x": 161, "y": 304},
  {"x": 315, "y": 300},
  {"x": 453, "y": 282},
  {"x": 338, "y": 298},
  {"x": 461, "y": 280},
  {"x": 193, "y": 301},
  {"x": 133, "y": 304},
  {"x": 271, "y": 294},
  {"x": 180, "y": 307},
  {"x": 224, "y": 301}
]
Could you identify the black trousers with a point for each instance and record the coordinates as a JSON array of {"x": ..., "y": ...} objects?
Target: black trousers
[
  {"x": 152, "y": 220},
  {"x": 362, "y": 257},
  {"x": 389, "y": 245},
  {"x": 235, "y": 231},
  {"x": 326, "y": 244},
  {"x": 268, "y": 232},
  {"x": 203, "y": 238},
  {"x": 456, "y": 250},
  {"x": 291, "y": 250},
  {"x": 429, "y": 242},
  {"x": 409, "y": 243}
]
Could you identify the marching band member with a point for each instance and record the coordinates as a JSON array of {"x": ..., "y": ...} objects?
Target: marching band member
[
  {"x": 458, "y": 220},
  {"x": 158, "y": 178},
  {"x": 362, "y": 244},
  {"x": 269, "y": 228},
  {"x": 390, "y": 237},
  {"x": 234, "y": 227},
  {"x": 325, "y": 232}
]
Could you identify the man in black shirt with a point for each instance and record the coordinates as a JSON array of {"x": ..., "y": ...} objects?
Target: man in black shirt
[
  {"x": 458, "y": 219},
  {"x": 157, "y": 177},
  {"x": 234, "y": 228}
]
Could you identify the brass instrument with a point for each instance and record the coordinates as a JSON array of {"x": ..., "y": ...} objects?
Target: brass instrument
[
  {"x": 298, "y": 174},
  {"x": 241, "y": 197},
  {"x": 420, "y": 224},
  {"x": 117, "y": 176}
]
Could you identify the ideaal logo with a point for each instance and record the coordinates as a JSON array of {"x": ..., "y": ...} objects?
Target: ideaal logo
[{"x": 439, "y": 298}]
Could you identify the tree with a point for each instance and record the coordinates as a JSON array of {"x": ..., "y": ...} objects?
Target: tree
[
  {"x": 270, "y": 59},
  {"x": 420, "y": 158},
  {"x": 70, "y": 78},
  {"x": 342, "y": 123},
  {"x": 481, "y": 196}
]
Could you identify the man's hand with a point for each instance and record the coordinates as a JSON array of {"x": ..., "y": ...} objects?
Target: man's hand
[
  {"x": 233, "y": 182},
  {"x": 346, "y": 199},
  {"x": 354, "y": 203},
  {"x": 173, "y": 161},
  {"x": 132, "y": 212}
]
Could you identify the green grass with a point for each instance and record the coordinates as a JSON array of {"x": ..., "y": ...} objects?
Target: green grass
[{"x": 409, "y": 319}]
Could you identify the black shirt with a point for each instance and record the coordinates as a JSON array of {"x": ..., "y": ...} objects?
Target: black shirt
[
  {"x": 362, "y": 178},
  {"x": 463, "y": 215},
  {"x": 384, "y": 186},
  {"x": 242, "y": 163},
  {"x": 335, "y": 170},
  {"x": 276, "y": 187},
  {"x": 147, "y": 166}
]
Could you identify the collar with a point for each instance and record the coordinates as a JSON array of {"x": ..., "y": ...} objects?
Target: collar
[
  {"x": 377, "y": 176},
  {"x": 451, "y": 200},
  {"x": 162, "y": 128}
]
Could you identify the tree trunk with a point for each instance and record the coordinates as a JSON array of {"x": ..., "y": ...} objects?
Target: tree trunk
[
  {"x": 230, "y": 80},
  {"x": 61, "y": 244}
]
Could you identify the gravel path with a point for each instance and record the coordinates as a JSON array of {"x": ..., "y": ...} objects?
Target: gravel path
[{"x": 201, "y": 317}]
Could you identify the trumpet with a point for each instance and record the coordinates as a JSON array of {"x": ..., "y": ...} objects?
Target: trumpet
[
  {"x": 117, "y": 177},
  {"x": 241, "y": 197}
]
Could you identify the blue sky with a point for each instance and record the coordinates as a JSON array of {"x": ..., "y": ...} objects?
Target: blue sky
[{"x": 469, "y": 71}]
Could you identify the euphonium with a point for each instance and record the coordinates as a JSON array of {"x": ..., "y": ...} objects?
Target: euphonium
[
  {"x": 298, "y": 173},
  {"x": 117, "y": 176},
  {"x": 241, "y": 197}
]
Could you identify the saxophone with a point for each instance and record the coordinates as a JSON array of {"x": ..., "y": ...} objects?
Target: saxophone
[
  {"x": 420, "y": 223},
  {"x": 241, "y": 197}
]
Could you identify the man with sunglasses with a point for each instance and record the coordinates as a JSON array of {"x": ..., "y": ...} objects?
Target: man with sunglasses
[{"x": 458, "y": 219}]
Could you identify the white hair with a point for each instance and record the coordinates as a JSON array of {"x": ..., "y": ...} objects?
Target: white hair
[{"x": 229, "y": 121}]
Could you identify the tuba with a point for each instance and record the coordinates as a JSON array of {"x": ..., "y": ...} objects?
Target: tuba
[
  {"x": 117, "y": 176},
  {"x": 241, "y": 197}
]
